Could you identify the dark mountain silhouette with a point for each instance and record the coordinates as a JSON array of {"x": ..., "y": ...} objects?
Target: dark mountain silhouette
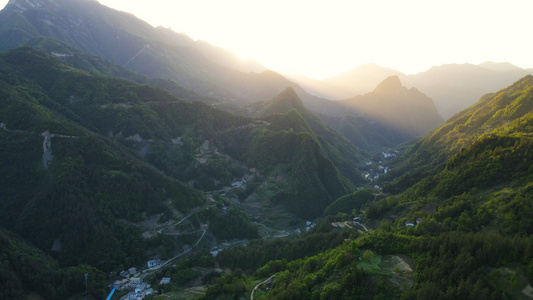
[
  {"x": 453, "y": 87},
  {"x": 129, "y": 42},
  {"x": 394, "y": 112}
]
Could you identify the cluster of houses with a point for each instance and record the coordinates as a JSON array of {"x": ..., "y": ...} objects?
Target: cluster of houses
[
  {"x": 308, "y": 226},
  {"x": 139, "y": 289},
  {"x": 131, "y": 280},
  {"x": 389, "y": 154},
  {"x": 130, "y": 272},
  {"x": 153, "y": 263},
  {"x": 376, "y": 173},
  {"x": 381, "y": 169}
]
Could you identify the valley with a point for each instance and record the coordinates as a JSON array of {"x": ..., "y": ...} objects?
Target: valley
[{"x": 168, "y": 168}]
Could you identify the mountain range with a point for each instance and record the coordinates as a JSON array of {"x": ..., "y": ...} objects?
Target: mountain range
[
  {"x": 96, "y": 156},
  {"x": 214, "y": 72},
  {"x": 129, "y": 42},
  {"x": 193, "y": 71},
  {"x": 453, "y": 87},
  {"x": 453, "y": 220},
  {"x": 121, "y": 142}
]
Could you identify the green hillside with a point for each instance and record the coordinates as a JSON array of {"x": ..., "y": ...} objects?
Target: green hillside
[
  {"x": 96, "y": 64},
  {"x": 85, "y": 156},
  {"x": 460, "y": 229},
  {"x": 318, "y": 163},
  {"x": 25, "y": 269},
  {"x": 499, "y": 123},
  {"x": 129, "y": 42},
  {"x": 67, "y": 188}
]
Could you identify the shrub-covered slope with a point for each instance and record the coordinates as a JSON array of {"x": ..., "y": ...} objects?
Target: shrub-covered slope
[
  {"x": 64, "y": 187},
  {"x": 486, "y": 144},
  {"x": 462, "y": 227},
  {"x": 82, "y": 150}
]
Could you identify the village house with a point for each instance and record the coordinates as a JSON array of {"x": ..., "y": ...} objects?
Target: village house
[
  {"x": 124, "y": 273},
  {"x": 409, "y": 223},
  {"x": 125, "y": 283},
  {"x": 132, "y": 271},
  {"x": 309, "y": 225},
  {"x": 135, "y": 281},
  {"x": 153, "y": 263},
  {"x": 140, "y": 288},
  {"x": 117, "y": 284},
  {"x": 358, "y": 221},
  {"x": 132, "y": 296},
  {"x": 165, "y": 280},
  {"x": 238, "y": 183}
]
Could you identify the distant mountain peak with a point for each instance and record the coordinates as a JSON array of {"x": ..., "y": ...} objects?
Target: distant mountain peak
[
  {"x": 391, "y": 84},
  {"x": 500, "y": 66},
  {"x": 288, "y": 93},
  {"x": 289, "y": 98},
  {"x": 283, "y": 103}
]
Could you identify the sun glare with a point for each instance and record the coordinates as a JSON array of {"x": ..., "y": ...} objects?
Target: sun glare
[{"x": 322, "y": 38}]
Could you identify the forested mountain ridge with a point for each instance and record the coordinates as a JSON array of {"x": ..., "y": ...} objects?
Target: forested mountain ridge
[
  {"x": 131, "y": 112},
  {"x": 96, "y": 64},
  {"x": 163, "y": 121},
  {"x": 458, "y": 220},
  {"x": 65, "y": 187},
  {"x": 85, "y": 156},
  {"x": 129, "y": 42},
  {"x": 498, "y": 117},
  {"x": 453, "y": 87},
  {"x": 335, "y": 142},
  {"x": 316, "y": 157}
]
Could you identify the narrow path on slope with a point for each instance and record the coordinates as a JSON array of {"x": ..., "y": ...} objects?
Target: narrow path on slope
[{"x": 257, "y": 286}]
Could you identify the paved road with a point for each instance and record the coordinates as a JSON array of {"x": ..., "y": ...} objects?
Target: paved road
[{"x": 257, "y": 286}]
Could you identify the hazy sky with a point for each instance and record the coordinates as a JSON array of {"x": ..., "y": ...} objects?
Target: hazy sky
[{"x": 323, "y": 38}]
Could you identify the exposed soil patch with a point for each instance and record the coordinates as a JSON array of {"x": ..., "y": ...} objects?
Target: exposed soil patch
[{"x": 401, "y": 272}]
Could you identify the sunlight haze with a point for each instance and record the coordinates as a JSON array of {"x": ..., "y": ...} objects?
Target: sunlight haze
[{"x": 323, "y": 38}]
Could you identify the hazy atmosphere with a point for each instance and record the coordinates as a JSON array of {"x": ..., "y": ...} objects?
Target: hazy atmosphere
[
  {"x": 265, "y": 150},
  {"x": 323, "y": 38}
]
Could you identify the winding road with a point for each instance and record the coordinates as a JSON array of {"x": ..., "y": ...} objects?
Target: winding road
[{"x": 257, "y": 286}]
